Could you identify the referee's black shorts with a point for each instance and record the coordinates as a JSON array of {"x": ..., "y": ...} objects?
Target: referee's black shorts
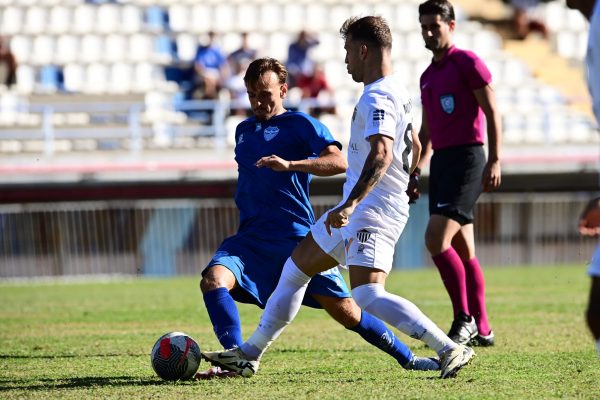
[{"x": 455, "y": 181}]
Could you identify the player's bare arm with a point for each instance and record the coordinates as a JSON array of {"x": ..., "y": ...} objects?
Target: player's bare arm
[
  {"x": 330, "y": 162},
  {"x": 378, "y": 161},
  {"x": 491, "y": 174},
  {"x": 589, "y": 221}
]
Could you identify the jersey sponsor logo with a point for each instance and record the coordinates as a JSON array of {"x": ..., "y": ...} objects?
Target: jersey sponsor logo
[
  {"x": 447, "y": 102},
  {"x": 378, "y": 116},
  {"x": 353, "y": 147},
  {"x": 270, "y": 132}
]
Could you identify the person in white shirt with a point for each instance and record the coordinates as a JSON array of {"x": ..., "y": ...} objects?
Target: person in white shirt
[{"x": 362, "y": 230}]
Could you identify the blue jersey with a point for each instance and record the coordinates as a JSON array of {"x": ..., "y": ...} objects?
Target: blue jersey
[{"x": 276, "y": 204}]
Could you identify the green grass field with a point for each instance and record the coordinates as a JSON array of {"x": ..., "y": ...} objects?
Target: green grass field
[{"x": 92, "y": 340}]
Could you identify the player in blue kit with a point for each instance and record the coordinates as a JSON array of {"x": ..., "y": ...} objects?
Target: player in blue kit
[{"x": 277, "y": 152}]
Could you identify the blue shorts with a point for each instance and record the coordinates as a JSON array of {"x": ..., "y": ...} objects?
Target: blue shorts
[{"x": 257, "y": 263}]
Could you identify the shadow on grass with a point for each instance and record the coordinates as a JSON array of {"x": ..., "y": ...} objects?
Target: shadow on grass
[
  {"x": 51, "y": 356},
  {"x": 79, "y": 383}
]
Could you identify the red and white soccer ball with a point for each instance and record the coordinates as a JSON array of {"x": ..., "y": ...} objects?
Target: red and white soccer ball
[{"x": 175, "y": 356}]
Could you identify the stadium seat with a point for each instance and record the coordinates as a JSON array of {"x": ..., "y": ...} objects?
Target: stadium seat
[
  {"x": 26, "y": 79},
  {"x": 165, "y": 49},
  {"x": 120, "y": 78},
  {"x": 97, "y": 78},
  {"x": 132, "y": 19},
  {"x": 84, "y": 19},
  {"x": 223, "y": 18},
  {"x": 186, "y": 47},
  {"x": 12, "y": 21},
  {"x": 141, "y": 47},
  {"x": 318, "y": 16},
  {"x": 74, "y": 77},
  {"x": 107, "y": 18},
  {"x": 51, "y": 79},
  {"x": 157, "y": 19},
  {"x": 270, "y": 18},
  {"x": 201, "y": 20},
  {"x": 43, "y": 50},
  {"x": 22, "y": 47},
  {"x": 294, "y": 17},
  {"x": 59, "y": 20},
  {"x": 246, "y": 17},
  {"x": 91, "y": 48},
  {"x": 115, "y": 48},
  {"x": 179, "y": 17},
  {"x": 35, "y": 20}
]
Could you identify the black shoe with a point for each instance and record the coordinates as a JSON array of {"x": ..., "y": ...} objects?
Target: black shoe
[
  {"x": 463, "y": 329},
  {"x": 483, "y": 341}
]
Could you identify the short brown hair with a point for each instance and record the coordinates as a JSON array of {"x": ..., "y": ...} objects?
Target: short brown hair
[
  {"x": 262, "y": 65},
  {"x": 371, "y": 29},
  {"x": 443, "y": 8}
]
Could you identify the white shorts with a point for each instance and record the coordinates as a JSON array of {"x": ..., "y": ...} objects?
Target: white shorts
[
  {"x": 594, "y": 269},
  {"x": 368, "y": 240}
]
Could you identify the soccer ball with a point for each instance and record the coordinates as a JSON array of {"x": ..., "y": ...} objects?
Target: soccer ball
[{"x": 175, "y": 356}]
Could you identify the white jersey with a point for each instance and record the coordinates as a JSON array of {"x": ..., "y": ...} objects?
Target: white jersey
[
  {"x": 385, "y": 107},
  {"x": 593, "y": 60}
]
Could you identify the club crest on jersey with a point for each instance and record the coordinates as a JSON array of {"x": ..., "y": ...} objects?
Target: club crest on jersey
[
  {"x": 447, "y": 102},
  {"x": 363, "y": 236},
  {"x": 270, "y": 132}
]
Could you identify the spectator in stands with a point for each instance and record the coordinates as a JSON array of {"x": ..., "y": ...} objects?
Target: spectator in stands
[
  {"x": 243, "y": 55},
  {"x": 8, "y": 63},
  {"x": 237, "y": 89},
  {"x": 589, "y": 223},
  {"x": 210, "y": 66},
  {"x": 298, "y": 61},
  {"x": 456, "y": 96},
  {"x": 313, "y": 85},
  {"x": 526, "y": 19}
]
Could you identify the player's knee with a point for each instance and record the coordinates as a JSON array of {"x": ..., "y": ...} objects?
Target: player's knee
[
  {"x": 216, "y": 277},
  {"x": 364, "y": 295},
  {"x": 344, "y": 311}
]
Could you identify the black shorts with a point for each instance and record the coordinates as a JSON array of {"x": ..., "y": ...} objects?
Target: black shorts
[{"x": 455, "y": 182}]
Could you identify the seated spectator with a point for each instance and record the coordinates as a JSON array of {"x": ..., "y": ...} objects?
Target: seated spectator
[
  {"x": 8, "y": 63},
  {"x": 298, "y": 62},
  {"x": 313, "y": 85},
  {"x": 211, "y": 69},
  {"x": 240, "y": 105},
  {"x": 242, "y": 55},
  {"x": 526, "y": 19}
]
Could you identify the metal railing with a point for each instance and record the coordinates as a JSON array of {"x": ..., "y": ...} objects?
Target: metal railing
[{"x": 178, "y": 237}]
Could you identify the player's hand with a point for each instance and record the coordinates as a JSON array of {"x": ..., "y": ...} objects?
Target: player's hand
[
  {"x": 338, "y": 217},
  {"x": 274, "y": 162},
  {"x": 491, "y": 176},
  {"x": 589, "y": 222},
  {"x": 413, "y": 191}
]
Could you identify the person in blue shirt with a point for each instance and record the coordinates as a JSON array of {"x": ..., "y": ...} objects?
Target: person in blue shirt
[
  {"x": 277, "y": 152},
  {"x": 211, "y": 68}
]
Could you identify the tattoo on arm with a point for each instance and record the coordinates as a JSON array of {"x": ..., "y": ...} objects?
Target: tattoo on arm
[{"x": 369, "y": 178}]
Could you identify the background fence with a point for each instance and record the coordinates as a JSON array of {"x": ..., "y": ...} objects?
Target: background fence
[{"x": 171, "y": 237}]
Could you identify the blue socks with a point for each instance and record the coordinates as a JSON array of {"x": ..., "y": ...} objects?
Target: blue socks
[
  {"x": 374, "y": 331},
  {"x": 224, "y": 316}
]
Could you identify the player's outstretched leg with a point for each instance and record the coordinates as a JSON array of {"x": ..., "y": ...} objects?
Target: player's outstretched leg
[
  {"x": 232, "y": 360},
  {"x": 454, "y": 359}
]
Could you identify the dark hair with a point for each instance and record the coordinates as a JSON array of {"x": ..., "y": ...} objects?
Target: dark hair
[
  {"x": 443, "y": 8},
  {"x": 262, "y": 65},
  {"x": 370, "y": 29}
]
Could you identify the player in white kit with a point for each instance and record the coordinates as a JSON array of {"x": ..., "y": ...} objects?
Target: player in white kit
[{"x": 362, "y": 230}]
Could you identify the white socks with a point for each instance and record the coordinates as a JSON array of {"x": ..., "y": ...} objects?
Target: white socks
[
  {"x": 402, "y": 314},
  {"x": 281, "y": 309}
]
